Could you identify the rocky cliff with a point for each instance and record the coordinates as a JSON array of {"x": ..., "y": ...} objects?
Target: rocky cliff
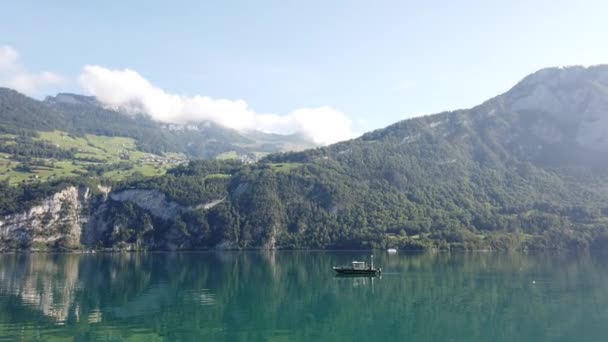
[
  {"x": 56, "y": 222},
  {"x": 73, "y": 218}
]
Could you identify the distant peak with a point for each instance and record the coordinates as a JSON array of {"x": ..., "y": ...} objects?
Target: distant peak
[
  {"x": 565, "y": 76},
  {"x": 68, "y": 98},
  {"x": 567, "y": 93}
]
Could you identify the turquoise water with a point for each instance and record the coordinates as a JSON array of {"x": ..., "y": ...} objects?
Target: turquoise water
[{"x": 294, "y": 296}]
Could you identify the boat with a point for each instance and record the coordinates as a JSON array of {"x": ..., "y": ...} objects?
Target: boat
[
  {"x": 392, "y": 250},
  {"x": 358, "y": 268}
]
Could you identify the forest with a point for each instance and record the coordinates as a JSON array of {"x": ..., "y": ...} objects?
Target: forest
[{"x": 487, "y": 178}]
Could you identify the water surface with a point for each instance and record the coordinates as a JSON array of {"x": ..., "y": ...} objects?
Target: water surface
[{"x": 294, "y": 296}]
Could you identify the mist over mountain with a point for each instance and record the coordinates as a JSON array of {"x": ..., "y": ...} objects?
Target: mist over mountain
[
  {"x": 128, "y": 91},
  {"x": 80, "y": 114},
  {"x": 524, "y": 170}
]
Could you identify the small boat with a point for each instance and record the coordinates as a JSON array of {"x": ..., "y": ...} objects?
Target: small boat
[
  {"x": 358, "y": 268},
  {"x": 392, "y": 250}
]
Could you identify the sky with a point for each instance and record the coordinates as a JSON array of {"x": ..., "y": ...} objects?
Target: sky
[{"x": 329, "y": 69}]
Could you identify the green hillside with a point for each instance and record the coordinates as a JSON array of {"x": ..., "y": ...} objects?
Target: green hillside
[
  {"x": 80, "y": 115},
  {"x": 53, "y": 155},
  {"x": 69, "y": 136},
  {"x": 517, "y": 172},
  {"x": 524, "y": 170}
]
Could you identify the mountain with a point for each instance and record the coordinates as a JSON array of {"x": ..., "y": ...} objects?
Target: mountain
[
  {"x": 524, "y": 170},
  {"x": 77, "y": 114},
  {"x": 71, "y": 135},
  {"x": 196, "y": 140}
]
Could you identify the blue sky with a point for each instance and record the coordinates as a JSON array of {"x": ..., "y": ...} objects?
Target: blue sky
[{"x": 376, "y": 62}]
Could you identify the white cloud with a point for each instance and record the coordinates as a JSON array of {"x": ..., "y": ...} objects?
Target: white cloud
[
  {"x": 127, "y": 89},
  {"x": 14, "y": 75}
]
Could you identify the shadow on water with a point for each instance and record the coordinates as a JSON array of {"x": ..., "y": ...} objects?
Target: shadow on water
[{"x": 261, "y": 296}]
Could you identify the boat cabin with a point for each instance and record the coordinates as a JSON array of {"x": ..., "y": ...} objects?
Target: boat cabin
[{"x": 359, "y": 265}]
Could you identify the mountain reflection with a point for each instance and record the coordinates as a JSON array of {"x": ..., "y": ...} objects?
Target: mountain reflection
[{"x": 295, "y": 296}]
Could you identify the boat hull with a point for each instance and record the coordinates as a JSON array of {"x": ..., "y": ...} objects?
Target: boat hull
[{"x": 353, "y": 272}]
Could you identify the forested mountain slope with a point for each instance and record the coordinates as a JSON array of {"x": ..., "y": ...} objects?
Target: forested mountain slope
[
  {"x": 70, "y": 135},
  {"x": 524, "y": 170},
  {"x": 79, "y": 115}
]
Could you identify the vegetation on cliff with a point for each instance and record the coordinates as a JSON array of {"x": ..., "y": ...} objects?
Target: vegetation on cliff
[{"x": 521, "y": 171}]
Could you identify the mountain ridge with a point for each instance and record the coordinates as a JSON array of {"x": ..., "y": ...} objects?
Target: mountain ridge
[
  {"x": 513, "y": 173},
  {"x": 85, "y": 114}
]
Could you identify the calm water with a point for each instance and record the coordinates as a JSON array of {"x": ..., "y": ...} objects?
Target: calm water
[{"x": 293, "y": 296}]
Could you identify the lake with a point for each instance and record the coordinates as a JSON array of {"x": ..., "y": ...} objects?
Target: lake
[{"x": 294, "y": 296}]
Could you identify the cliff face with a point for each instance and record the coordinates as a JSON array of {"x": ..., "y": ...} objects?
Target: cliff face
[
  {"x": 153, "y": 201},
  {"x": 56, "y": 222},
  {"x": 73, "y": 218}
]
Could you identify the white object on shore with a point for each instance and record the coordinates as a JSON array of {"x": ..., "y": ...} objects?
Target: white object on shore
[{"x": 391, "y": 250}]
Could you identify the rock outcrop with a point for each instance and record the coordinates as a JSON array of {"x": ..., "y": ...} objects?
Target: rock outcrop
[
  {"x": 153, "y": 201},
  {"x": 73, "y": 218},
  {"x": 56, "y": 222}
]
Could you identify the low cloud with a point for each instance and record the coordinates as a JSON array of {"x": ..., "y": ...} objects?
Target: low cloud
[
  {"x": 127, "y": 89},
  {"x": 14, "y": 75}
]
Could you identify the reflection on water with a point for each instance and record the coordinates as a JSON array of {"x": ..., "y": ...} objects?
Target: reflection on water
[
  {"x": 43, "y": 284},
  {"x": 294, "y": 296}
]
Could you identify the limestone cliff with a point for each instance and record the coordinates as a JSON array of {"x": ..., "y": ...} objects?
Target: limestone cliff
[
  {"x": 73, "y": 218},
  {"x": 56, "y": 222}
]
